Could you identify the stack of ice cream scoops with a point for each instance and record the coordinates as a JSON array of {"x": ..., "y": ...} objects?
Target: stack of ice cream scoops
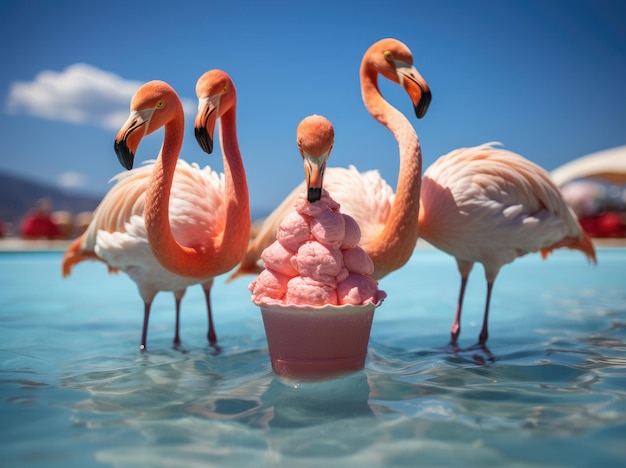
[{"x": 316, "y": 293}]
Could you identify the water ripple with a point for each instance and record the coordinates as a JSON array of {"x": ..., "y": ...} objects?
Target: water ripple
[{"x": 550, "y": 391}]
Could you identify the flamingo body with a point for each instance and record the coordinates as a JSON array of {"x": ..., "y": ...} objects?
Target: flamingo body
[
  {"x": 488, "y": 205},
  {"x": 117, "y": 234}
]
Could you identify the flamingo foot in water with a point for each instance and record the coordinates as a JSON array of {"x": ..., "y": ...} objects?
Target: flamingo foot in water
[{"x": 484, "y": 355}]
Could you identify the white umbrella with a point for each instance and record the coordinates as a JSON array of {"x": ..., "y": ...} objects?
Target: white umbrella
[{"x": 609, "y": 165}]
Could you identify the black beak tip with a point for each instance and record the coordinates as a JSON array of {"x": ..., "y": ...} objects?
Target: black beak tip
[
  {"x": 124, "y": 155},
  {"x": 204, "y": 140},
  {"x": 314, "y": 194},
  {"x": 422, "y": 105}
]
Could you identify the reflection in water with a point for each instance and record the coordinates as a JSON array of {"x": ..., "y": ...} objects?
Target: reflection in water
[
  {"x": 299, "y": 405},
  {"x": 189, "y": 386}
]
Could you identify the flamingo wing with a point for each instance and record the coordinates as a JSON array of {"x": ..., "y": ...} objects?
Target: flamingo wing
[
  {"x": 489, "y": 205},
  {"x": 117, "y": 234},
  {"x": 123, "y": 201},
  {"x": 197, "y": 208}
]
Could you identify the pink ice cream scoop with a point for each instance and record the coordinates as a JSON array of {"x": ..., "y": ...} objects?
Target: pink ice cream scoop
[
  {"x": 316, "y": 293},
  {"x": 311, "y": 256}
]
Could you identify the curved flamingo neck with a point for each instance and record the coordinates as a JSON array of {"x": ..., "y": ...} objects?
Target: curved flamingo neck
[
  {"x": 216, "y": 255},
  {"x": 236, "y": 234},
  {"x": 395, "y": 244}
]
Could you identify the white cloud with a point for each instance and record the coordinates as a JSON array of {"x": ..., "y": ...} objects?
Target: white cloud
[
  {"x": 81, "y": 94},
  {"x": 72, "y": 180}
]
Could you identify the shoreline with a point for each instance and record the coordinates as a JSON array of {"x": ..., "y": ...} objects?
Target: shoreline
[{"x": 16, "y": 244}]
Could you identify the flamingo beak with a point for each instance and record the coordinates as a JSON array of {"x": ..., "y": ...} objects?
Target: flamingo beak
[
  {"x": 416, "y": 87},
  {"x": 124, "y": 155},
  {"x": 314, "y": 168},
  {"x": 206, "y": 119},
  {"x": 128, "y": 138}
]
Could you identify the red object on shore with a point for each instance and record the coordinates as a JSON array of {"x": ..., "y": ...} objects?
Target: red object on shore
[
  {"x": 609, "y": 224},
  {"x": 39, "y": 225}
]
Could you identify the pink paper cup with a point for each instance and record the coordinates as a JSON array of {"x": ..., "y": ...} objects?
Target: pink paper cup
[{"x": 316, "y": 343}]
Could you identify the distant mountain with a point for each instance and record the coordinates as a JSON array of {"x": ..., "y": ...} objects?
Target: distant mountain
[{"x": 19, "y": 195}]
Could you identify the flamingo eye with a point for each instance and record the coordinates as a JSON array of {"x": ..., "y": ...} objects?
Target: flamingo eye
[
  {"x": 388, "y": 56},
  {"x": 160, "y": 104},
  {"x": 225, "y": 89}
]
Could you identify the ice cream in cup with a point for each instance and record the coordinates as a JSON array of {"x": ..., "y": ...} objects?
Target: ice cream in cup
[{"x": 316, "y": 294}]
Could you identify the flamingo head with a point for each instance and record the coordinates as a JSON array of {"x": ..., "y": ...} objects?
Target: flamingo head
[
  {"x": 393, "y": 59},
  {"x": 216, "y": 96},
  {"x": 315, "y": 137},
  {"x": 153, "y": 106}
]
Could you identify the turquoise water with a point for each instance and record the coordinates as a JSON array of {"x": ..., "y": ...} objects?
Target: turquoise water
[{"x": 550, "y": 391}]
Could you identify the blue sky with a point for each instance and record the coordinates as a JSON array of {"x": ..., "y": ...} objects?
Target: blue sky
[{"x": 546, "y": 78}]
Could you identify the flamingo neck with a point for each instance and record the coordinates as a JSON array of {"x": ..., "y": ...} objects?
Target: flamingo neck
[
  {"x": 236, "y": 235},
  {"x": 216, "y": 255},
  {"x": 395, "y": 244}
]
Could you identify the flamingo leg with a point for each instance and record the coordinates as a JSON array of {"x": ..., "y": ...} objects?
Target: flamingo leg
[
  {"x": 484, "y": 333},
  {"x": 455, "y": 330},
  {"x": 144, "y": 331},
  {"x": 177, "y": 332},
  {"x": 211, "y": 333}
]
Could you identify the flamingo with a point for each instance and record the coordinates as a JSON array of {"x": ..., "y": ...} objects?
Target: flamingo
[
  {"x": 117, "y": 236},
  {"x": 387, "y": 220},
  {"x": 488, "y": 205},
  {"x": 119, "y": 232}
]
